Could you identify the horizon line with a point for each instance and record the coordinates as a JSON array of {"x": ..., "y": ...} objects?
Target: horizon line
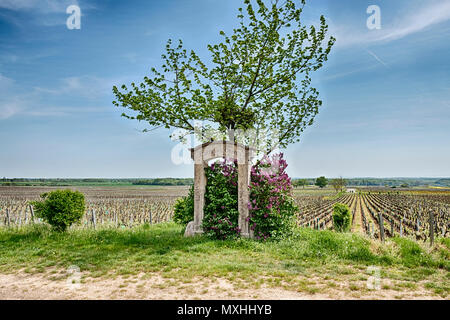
[{"x": 130, "y": 178}]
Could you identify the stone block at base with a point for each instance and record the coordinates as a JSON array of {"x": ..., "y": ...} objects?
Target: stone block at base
[{"x": 189, "y": 232}]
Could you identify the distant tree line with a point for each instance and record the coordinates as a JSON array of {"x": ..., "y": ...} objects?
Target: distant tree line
[
  {"x": 388, "y": 182},
  {"x": 379, "y": 182},
  {"x": 95, "y": 181},
  {"x": 165, "y": 182}
]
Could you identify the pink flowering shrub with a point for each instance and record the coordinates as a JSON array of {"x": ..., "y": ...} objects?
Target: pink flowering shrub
[{"x": 271, "y": 206}]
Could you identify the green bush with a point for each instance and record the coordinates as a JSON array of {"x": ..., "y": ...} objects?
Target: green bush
[
  {"x": 60, "y": 208},
  {"x": 184, "y": 208},
  {"x": 342, "y": 217},
  {"x": 221, "y": 201},
  {"x": 220, "y": 220}
]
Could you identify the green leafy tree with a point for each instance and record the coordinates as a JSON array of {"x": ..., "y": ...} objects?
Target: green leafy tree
[
  {"x": 300, "y": 183},
  {"x": 60, "y": 208},
  {"x": 338, "y": 184},
  {"x": 259, "y": 77},
  {"x": 321, "y": 182}
]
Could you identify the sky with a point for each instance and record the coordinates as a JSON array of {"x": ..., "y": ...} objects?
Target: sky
[{"x": 385, "y": 92}]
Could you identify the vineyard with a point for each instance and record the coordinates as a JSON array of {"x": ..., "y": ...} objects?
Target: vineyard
[
  {"x": 382, "y": 215},
  {"x": 376, "y": 214},
  {"x": 115, "y": 207},
  {"x": 114, "y": 238}
]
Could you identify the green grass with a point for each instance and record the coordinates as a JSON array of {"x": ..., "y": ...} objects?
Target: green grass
[
  {"x": 313, "y": 190},
  {"x": 162, "y": 248},
  {"x": 336, "y": 196}
]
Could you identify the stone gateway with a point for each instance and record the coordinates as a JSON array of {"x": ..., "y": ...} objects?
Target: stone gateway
[{"x": 225, "y": 150}]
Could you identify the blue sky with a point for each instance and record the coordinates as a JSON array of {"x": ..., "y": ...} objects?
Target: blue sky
[{"x": 386, "y": 93}]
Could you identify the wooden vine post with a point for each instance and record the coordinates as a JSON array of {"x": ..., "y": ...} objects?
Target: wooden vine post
[
  {"x": 380, "y": 221},
  {"x": 431, "y": 228},
  {"x": 32, "y": 213},
  {"x": 8, "y": 218},
  {"x": 94, "y": 220}
]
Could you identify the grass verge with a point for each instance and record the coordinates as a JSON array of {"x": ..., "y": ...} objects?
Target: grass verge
[{"x": 326, "y": 256}]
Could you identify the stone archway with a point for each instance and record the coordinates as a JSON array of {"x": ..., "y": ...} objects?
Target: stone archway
[{"x": 222, "y": 149}]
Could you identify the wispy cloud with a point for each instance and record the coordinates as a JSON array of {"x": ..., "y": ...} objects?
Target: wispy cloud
[
  {"x": 337, "y": 75},
  {"x": 376, "y": 58},
  {"x": 46, "y": 13},
  {"x": 25, "y": 106},
  {"x": 10, "y": 104},
  {"x": 42, "y": 6},
  {"x": 16, "y": 100},
  {"x": 16, "y": 107},
  {"x": 61, "y": 111},
  {"x": 10, "y": 108},
  {"x": 419, "y": 20},
  {"x": 412, "y": 21},
  {"x": 5, "y": 83},
  {"x": 131, "y": 57},
  {"x": 25, "y": 57},
  {"x": 85, "y": 86}
]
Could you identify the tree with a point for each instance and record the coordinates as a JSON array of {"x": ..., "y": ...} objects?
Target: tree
[
  {"x": 321, "y": 182},
  {"x": 338, "y": 184},
  {"x": 300, "y": 183},
  {"x": 259, "y": 77}
]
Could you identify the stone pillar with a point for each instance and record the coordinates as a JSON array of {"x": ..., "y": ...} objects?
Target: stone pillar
[
  {"x": 199, "y": 196},
  {"x": 199, "y": 188},
  {"x": 243, "y": 192},
  {"x": 251, "y": 232},
  {"x": 208, "y": 151}
]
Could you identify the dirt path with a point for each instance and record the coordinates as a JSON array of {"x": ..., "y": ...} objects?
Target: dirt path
[
  {"x": 40, "y": 287},
  {"x": 52, "y": 286},
  {"x": 357, "y": 223},
  {"x": 372, "y": 223}
]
